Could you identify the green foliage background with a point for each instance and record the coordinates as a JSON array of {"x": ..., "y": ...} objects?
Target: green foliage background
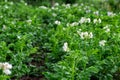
[{"x": 32, "y": 42}]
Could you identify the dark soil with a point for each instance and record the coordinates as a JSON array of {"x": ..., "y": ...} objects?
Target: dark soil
[{"x": 32, "y": 78}]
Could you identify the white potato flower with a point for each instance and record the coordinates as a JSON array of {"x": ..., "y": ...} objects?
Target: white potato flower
[
  {"x": 88, "y": 20},
  {"x": 56, "y": 4},
  {"x": 57, "y": 22},
  {"x": 53, "y": 8},
  {"x": 6, "y": 65},
  {"x": 11, "y": 3},
  {"x": 7, "y": 71},
  {"x": 6, "y": 68},
  {"x": 75, "y": 5},
  {"x": 6, "y": 6},
  {"x": 82, "y": 35},
  {"x": 74, "y": 24},
  {"x": 68, "y": 24},
  {"x": 85, "y": 35},
  {"x": 67, "y": 6},
  {"x": 106, "y": 28},
  {"x": 65, "y": 47},
  {"x": 84, "y": 20},
  {"x": 4, "y": 27},
  {"x": 91, "y": 35},
  {"x": 88, "y": 11},
  {"x": 54, "y": 14},
  {"x": 110, "y": 14},
  {"x": 96, "y": 13},
  {"x": 43, "y": 7},
  {"x": 97, "y": 21},
  {"x": 102, "y": 43},
  {"x": 26, "y": 4}
]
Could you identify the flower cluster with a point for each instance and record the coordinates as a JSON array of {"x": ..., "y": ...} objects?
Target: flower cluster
[
  {"x": 56, "y": 4},
  {"x": 43, "y": 7},
  {"x": 66, "y": 5},
  {"x": 111, "y": 14},
  {"x": 72, "y": 24},
  {"x": 106, "y": 28},
  {"x": 96, "y": 13},
  {"x": 85, "y": 35},
  {"x": 57, "y": 22},
  {"x": 81, "y": 21},
  {"x": 6, "y": 68},
  {"x": 84, "y": 20},
  {"x": 102, "y": 43},
  {"x": 97, "y": 21}
]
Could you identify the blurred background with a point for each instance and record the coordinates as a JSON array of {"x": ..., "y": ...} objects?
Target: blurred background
[{"x": 110, "y": 5}]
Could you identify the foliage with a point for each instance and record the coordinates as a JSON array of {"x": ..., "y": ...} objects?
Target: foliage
[{"x": 76, "y": 41}]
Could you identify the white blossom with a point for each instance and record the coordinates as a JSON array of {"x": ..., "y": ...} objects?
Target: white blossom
[
  {"x": 7, "y": 71},
  {"x": 26, "y": 4},
  {"x": 4, "y": 27},
  {"x": 57, "y": 22},
  {"x": 56, "y": 4},
  {"x": 88, "y": 20},
  {"x": 11, "y": 3},
  {"x": 54, "y": 14},
  {"x": 85, "y": 35},
  {"x": 67, "y": 6},
  {"x": 97, "y": 21},
  {"x": 6, "y": 6},
  {"x": 82, "y": 35},
  {"x": 43, "y": 7},
  {"x": 110, "y": 14},
  {"x": 18, "y": 36},
  {"x": 1, "y": 16},
  {"x": 84, "y": 20},
  {"x": 6, "y": 65},
  {"x": 65, "y": 47},
  {"x": 106, "y": 28},
  {"x": 68, "y": 24},
  {"x": 102, "y": 43},
  {"x": 88, "y": 11},
  {"x": 74, "y": 24},
  {"x": 6, "y": 0},
  {"x": 96, "y": 13},
  {"x": 75, "y": 5},
  {"x": 6, "y": 68},
  {"x": 53, "y": 8},
  {"x": 81, "y": 4},
  {"x": 64, "y": 28},
  {"x": 91, "y": 35}
]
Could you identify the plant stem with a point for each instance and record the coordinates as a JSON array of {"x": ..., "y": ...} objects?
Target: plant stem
[{"x": 73, "y": 69}]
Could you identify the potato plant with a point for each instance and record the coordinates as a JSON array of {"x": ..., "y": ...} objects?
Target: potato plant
[{"x": 74, "y": 41}]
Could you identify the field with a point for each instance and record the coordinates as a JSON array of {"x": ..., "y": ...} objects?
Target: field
[{"x": 63, "y": 42}]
